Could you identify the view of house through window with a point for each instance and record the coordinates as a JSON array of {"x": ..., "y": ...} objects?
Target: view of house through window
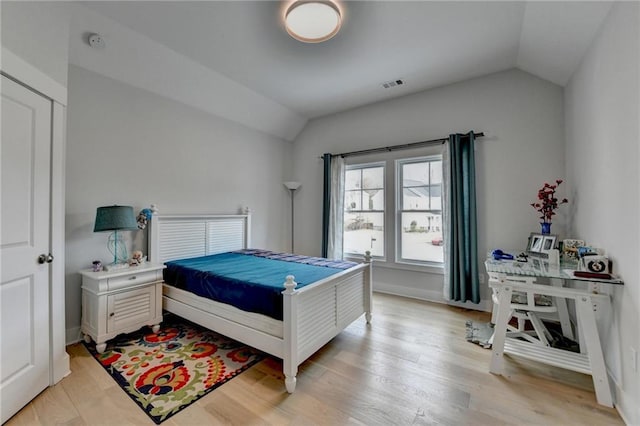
[
  {"x": 420, "y": 210},
  {"x": 364, "y": 209},
  {"x": 416, "y": 222}
]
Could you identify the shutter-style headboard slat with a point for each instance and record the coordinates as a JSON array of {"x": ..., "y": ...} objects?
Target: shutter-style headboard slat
[
  {"x": 180, "y": 237},
  {"x": 225, "y": 235},
  {"x": 181, "y": 240}
]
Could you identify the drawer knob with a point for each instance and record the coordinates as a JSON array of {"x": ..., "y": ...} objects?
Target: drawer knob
[
  {"x": 112, "y": 314},
  {"x": 132, "y": 278}
]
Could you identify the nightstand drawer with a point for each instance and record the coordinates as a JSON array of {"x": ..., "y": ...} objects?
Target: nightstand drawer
[{"x": 132, "y": 278}]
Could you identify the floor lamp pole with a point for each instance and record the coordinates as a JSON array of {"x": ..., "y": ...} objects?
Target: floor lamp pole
[
  {"x": 292, "y": 191},
  {"x": 292, "y": 186}
]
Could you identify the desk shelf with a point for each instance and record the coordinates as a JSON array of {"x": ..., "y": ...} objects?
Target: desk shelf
[{"x": 548, "y": 355}]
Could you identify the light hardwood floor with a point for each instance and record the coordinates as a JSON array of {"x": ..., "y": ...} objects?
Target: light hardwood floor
[{"x": 411, "y": 366}]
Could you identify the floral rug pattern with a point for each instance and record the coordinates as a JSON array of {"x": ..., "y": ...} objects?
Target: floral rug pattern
[{"x": 167, "y": 371}]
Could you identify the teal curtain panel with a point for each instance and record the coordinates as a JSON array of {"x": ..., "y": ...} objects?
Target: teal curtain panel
[
  {"x": 326, "y": 203},
  {"x": 461, "y": 204}
]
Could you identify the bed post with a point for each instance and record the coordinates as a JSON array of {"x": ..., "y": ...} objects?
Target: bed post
[
  {"x": 368, "y": 288},
  {"x": 290, "y": 322},
  {"x": 153, "y": 237},
  {"x": 247, "y": 236}
]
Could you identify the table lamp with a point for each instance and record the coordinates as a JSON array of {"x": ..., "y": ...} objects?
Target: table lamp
[{"x": 115, "y": 218}]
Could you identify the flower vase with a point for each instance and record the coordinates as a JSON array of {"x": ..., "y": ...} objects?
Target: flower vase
[{"x": 546, "y": 228}]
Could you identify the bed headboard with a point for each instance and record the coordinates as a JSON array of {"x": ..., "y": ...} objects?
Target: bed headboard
[{"x": 173, "y": 237}]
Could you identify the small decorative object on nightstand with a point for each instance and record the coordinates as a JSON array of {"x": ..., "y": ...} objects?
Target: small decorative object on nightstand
[{"x": 121, "y": 301}]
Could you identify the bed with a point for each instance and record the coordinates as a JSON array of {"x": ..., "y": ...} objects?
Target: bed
[{"x": 310, "y": 316}]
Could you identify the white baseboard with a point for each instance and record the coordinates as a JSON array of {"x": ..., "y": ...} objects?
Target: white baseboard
[
  {"x": 73, "y": 335},
  {"x": 429, "y": 295}
]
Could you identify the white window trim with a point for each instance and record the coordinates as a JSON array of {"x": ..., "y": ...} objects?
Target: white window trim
[
  {"x": 398, "y": 213},
  {"x": 388, "y": 159},
  {"x": 357, "y": 257}
]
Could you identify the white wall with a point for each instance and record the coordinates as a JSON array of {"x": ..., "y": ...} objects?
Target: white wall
[
  {"x": 38, "y": 32},
  {"x": 137, "y": 60},
  {"x": 522, "y": 114},
  {"x": 129, "y": 146},
  {"x": 602, "y": 107}
]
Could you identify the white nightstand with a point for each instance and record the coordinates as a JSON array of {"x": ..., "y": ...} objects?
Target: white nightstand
[{"x": 120, "y": 301}]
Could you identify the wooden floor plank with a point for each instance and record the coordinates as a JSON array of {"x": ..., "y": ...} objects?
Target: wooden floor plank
[
  {"x": 54, "y": 406},
  {"x": 411, "y": 366}
]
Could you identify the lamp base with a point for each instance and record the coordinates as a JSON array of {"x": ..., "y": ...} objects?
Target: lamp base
[
  {"x": 116, "y": 266},
  {"x": 118, "y": 249}
]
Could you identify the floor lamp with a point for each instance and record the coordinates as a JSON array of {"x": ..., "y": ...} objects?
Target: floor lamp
[{"x": 292, "y": 186}]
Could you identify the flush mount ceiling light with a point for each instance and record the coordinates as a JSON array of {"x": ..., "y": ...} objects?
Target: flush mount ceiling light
[{"x": 313, "y": 21}]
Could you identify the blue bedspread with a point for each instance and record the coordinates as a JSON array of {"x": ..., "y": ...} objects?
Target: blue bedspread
[{"x": 251, "y": 280}]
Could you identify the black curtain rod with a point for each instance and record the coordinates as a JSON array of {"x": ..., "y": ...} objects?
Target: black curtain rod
[{"x": 398, "y": 147}]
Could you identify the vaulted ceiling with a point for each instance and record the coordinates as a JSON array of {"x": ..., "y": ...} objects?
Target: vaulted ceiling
[{"x": 426, "y": 44}]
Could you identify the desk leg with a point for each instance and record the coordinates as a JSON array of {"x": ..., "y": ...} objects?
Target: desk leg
[
  {"x": 587, "y": 320},
  {"x": 583, "y": 348},
  {"x": 500, "y": 330},
  {"x": 563, "y": 311}
]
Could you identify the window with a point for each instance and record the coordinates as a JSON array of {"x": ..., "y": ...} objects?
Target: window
[
  {"x": 397, "y": 216},
  {"x": 364, "y": 206},
  {"x": 419, "y": 210}
]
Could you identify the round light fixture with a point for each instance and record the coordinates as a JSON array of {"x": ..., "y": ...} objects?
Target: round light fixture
[{"x": 313, "y": 21}]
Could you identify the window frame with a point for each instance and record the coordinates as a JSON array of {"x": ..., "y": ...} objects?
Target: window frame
[
  {"x": 399, "y": 208},
  {"x": 362, "y": 166},
  {"x": 388, "y": 159}
]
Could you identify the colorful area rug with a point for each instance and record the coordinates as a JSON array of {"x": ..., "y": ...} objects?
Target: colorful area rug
[{"x": 167, "y": 371}]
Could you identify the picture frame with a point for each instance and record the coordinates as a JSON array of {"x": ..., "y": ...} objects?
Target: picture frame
[
  {"x": 535, "y": 243},
  {"x": 540, "y": 264},
  {"x": 548, "y": 243},
  {"x": 570, "y": 249}
]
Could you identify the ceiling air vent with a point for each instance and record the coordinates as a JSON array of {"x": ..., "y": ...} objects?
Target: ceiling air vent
[{"x": 392, "y": 83}]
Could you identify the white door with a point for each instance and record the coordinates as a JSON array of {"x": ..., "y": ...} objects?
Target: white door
[{"x": 25, "y": 149}]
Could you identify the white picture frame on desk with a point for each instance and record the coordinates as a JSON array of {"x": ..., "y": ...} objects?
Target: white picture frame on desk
[
  {"x": 540, "y": 264},
  {"x": 541, "y": 244},
  {"x": 548, "y": 243},
  {"x": 535, "y": 243}
]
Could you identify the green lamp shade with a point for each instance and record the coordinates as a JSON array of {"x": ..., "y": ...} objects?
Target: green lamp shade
[{"x": 115, "y": 218}]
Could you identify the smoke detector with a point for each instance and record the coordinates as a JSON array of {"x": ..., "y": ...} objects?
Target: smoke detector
[
  {"x": 96, "y": 41},
  {"x": 392, "y": 83}
]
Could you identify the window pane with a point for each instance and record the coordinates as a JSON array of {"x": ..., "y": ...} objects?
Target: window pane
[
  {"x": 373, "y": 178},
  {"x": 415, "y": 174},
  {"x": 352, "y": 200},
  {"x": 352, "y": 179},
  {"x": 421, "y": 236},
  {"x": 373, "y": 199},
  {"x": 415, "y": 198},
  {"x": 436, "y": 172},
  {"x": 436, "y": 197},
  {"x": 364, "y": 232}
]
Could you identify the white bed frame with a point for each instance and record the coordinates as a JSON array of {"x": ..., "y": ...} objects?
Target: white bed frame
[{"x": 313, "y": 315}]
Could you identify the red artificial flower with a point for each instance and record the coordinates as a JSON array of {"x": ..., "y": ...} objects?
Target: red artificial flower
[{"x": 548, "y": 201}]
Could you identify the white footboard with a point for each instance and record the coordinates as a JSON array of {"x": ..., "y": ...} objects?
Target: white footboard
[{"x": 315, "y": 314}]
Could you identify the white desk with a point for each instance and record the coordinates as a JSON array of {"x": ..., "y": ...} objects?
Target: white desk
[{"x": 509, "y": 276}]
